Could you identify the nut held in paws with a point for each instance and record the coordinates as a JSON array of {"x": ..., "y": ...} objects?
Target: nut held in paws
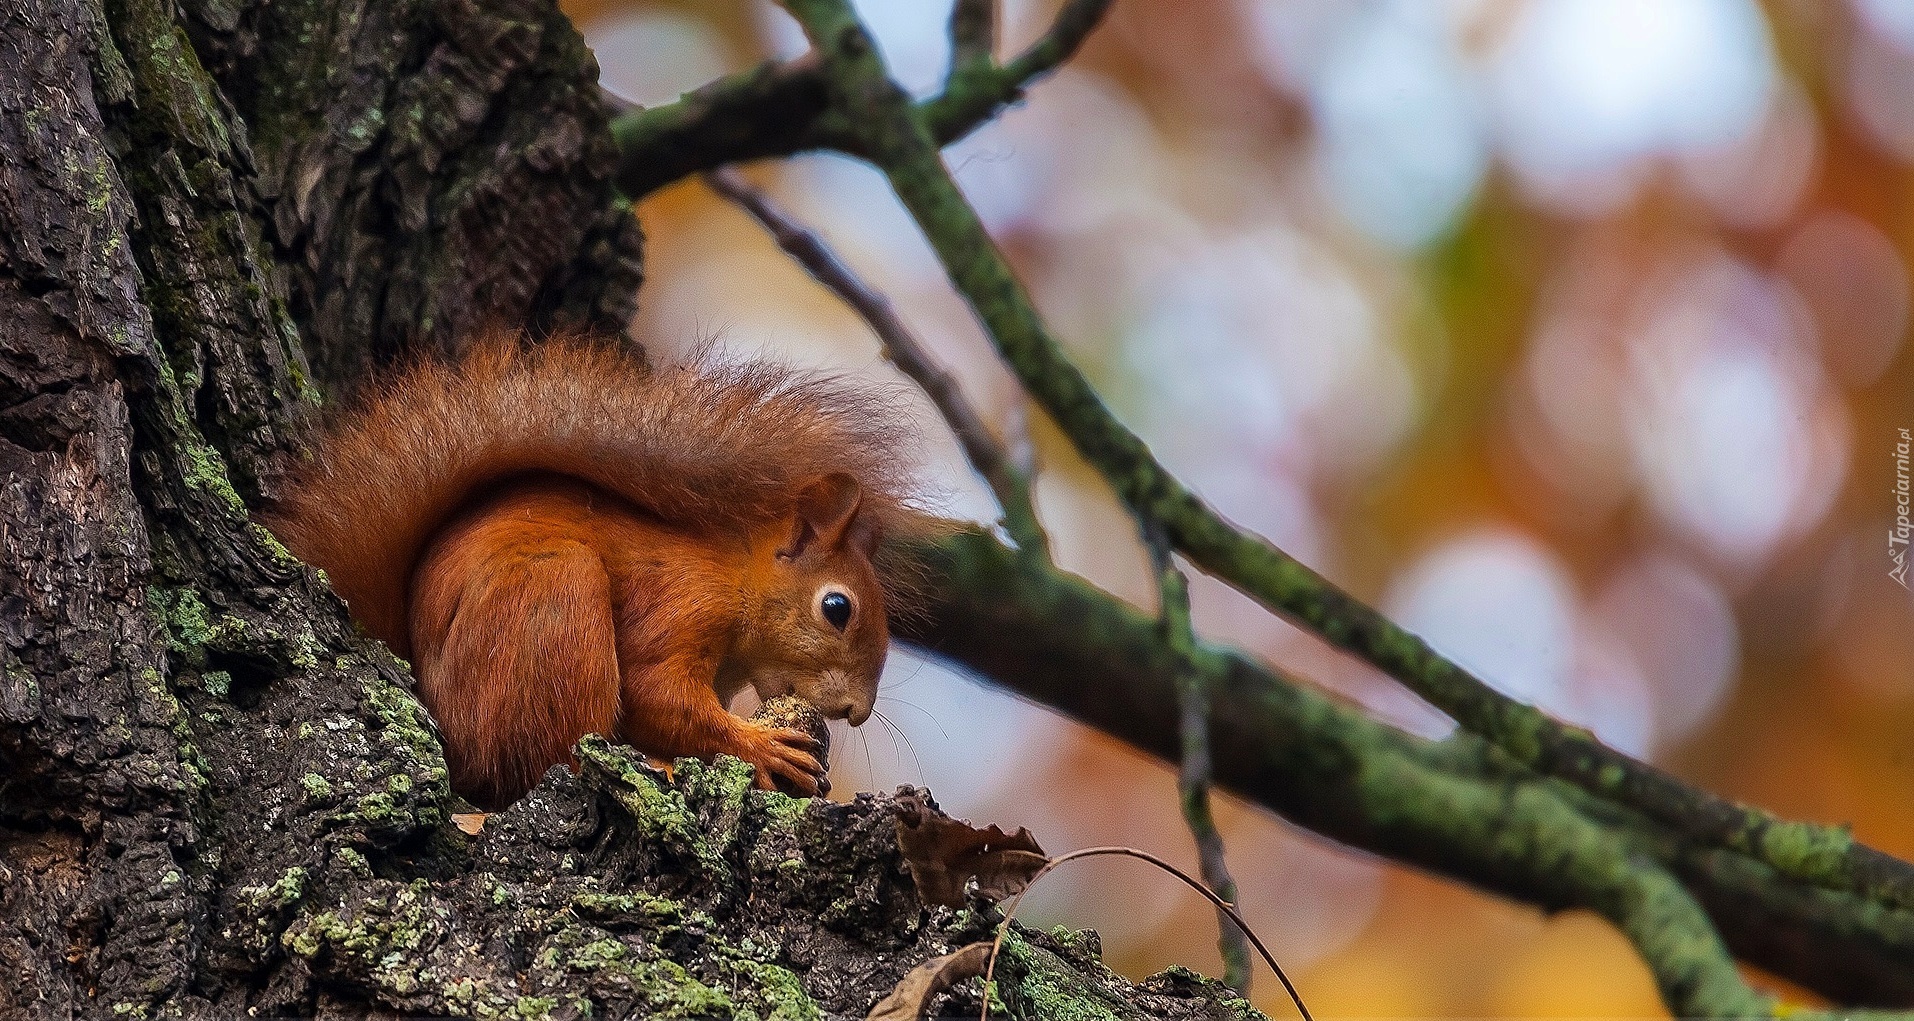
[{"x": 797, "y": 714}]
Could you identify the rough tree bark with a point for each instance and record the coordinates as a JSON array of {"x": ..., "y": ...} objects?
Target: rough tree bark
[{"x": 216, "y": 798}]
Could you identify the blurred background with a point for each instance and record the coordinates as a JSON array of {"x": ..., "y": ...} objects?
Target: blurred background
[{"x": 1572, "y": 333}]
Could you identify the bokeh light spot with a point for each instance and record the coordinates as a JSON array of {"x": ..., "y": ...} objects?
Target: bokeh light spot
[
  {"x": 1585, "y": 87},
  {"x": 649, "y": 56}
]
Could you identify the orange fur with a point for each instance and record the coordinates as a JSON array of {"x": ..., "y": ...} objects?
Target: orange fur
[{"x": 565, "y": 542}]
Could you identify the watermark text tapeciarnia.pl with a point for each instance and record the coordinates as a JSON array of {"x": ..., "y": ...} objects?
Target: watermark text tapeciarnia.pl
[{"x": 1897, "y": 534}]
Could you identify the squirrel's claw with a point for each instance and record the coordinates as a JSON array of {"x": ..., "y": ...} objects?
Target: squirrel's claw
[{"x": 786, "y": 755}]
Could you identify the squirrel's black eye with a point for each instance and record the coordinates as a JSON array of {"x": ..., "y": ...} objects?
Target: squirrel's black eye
[{"x": 836, "y": 607}]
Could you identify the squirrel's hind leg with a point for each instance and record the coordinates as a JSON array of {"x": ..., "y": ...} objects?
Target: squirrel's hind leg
[{"x": 527, "y": 664}]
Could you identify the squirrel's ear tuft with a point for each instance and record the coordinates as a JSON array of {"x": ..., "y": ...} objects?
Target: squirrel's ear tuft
[{"x": 826, "y": 508}]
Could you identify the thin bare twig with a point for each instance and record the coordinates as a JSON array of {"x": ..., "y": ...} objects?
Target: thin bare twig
[
  {"x": 1194, "y": 773},
  {"x": 1222, "y": 906},
  {"x": 1006, "y": 480}
]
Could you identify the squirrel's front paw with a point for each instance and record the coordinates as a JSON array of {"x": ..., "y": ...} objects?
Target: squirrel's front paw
[{"x": 786, "y": 759}]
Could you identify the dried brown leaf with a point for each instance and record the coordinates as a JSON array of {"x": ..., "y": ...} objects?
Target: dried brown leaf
[
  {"x": 944, "y": 854},
  {"x": 469, "y": 823},
  {"x": 910, "y": 1001}
]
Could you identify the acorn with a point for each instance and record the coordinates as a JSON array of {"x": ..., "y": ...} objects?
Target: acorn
[{"x": 794, "y": 713}]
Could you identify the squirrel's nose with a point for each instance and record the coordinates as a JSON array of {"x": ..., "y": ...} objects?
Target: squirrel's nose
[{"x": 846, "y": 707}]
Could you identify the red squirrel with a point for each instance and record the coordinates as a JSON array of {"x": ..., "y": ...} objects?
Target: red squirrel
[{"x": 564, "y": 541}]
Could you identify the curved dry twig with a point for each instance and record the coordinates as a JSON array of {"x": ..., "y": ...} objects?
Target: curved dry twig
[{"x": 1222, "y": 906}]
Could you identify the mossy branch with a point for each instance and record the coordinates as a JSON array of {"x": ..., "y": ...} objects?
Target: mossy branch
[
  {"x": 894, "y": 135},
  {"x": 973, "y": 34},
  {"x": 1447, "y": 806},
  {"x": 1669, "y": 927},
  {"x": 1648, "y": 851},
  {"x": 780, "y": 108},
  {"x": 979, "y": 88},
  {"x": 771, "y": 110}
]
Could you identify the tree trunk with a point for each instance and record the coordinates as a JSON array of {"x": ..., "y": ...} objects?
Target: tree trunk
[{"x": 216, "y": 798}]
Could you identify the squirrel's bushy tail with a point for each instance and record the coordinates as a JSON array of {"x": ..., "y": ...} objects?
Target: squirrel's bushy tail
[{"x": 706, "y": 446}]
